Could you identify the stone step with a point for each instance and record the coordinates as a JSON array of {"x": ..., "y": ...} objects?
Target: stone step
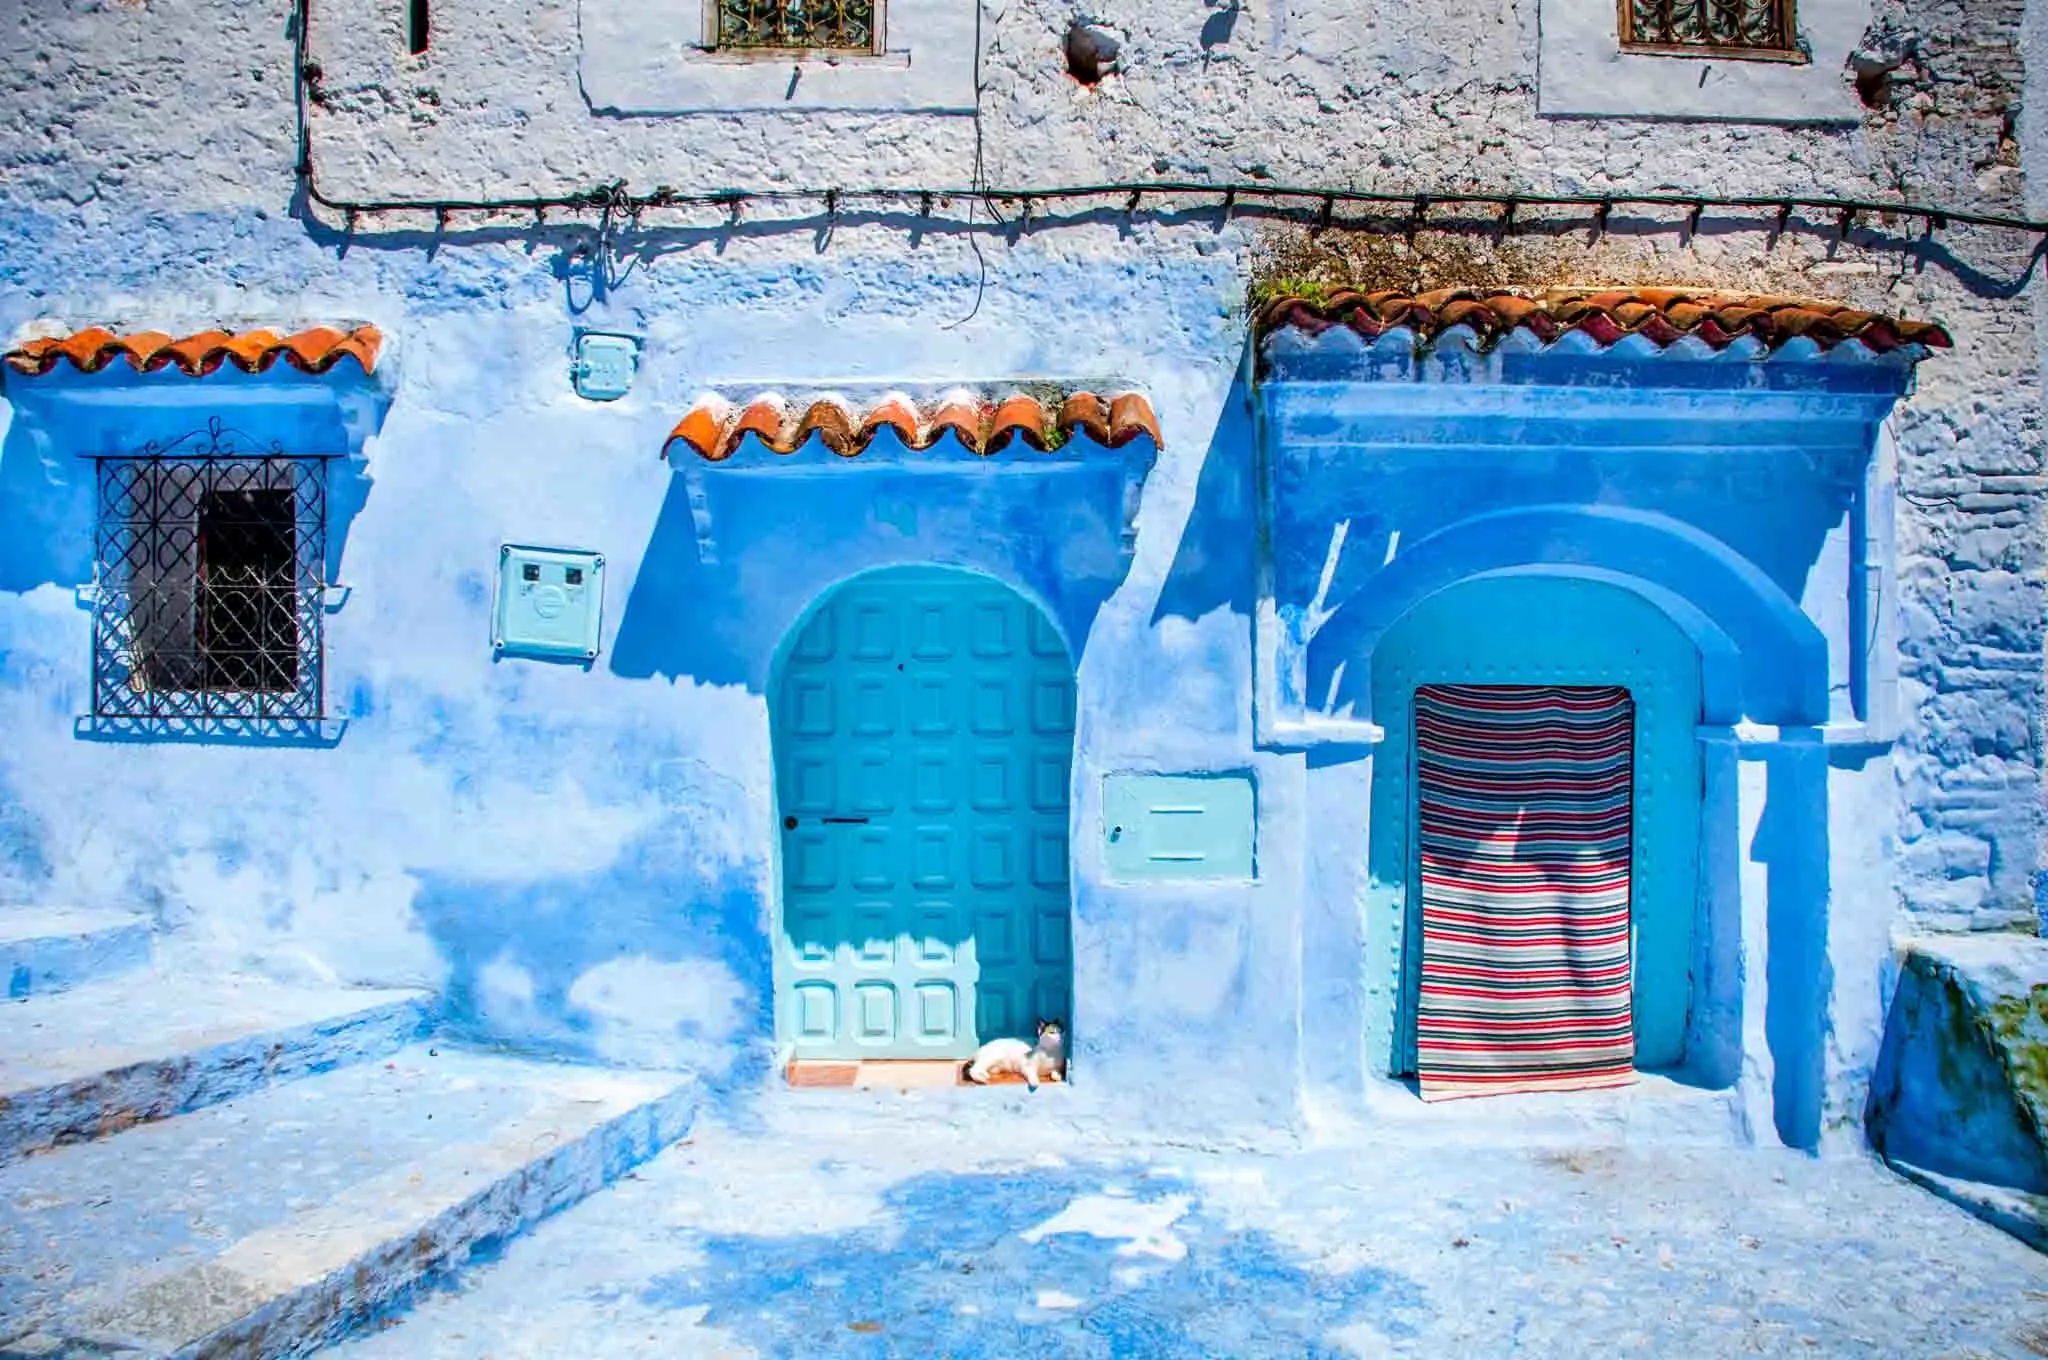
[
  {"x": 2023, "y": 1215},
  {"x": 1657, "y": 1109},
  {"x": 98, "y": 1058},
  {"x": 272, "y": 1224},
  {"x": 47, "y": 949}
]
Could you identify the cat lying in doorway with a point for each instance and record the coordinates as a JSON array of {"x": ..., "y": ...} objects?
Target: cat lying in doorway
[{"x": 1045, "y": 1061}]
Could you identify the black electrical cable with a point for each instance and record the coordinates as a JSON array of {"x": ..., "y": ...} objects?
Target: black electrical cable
[{"x": 1315, "y": 202}]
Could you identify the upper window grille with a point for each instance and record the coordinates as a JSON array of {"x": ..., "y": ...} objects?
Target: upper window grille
[
  {"x": 765, "y": 26},
  {"x": 211, "y": 587},
  {"x": 1725, "y": 28}
]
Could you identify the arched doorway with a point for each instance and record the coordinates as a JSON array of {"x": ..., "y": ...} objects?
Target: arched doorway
[
  {"x": 923, "y": 722},
  {"x": 1560, "y": 652}
]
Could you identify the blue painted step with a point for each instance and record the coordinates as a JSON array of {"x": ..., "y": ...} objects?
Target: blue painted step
[
  {"x": 99, "y": 1058},
  {"x": 273, "y": 1223},
  {"x": 49, "y": 949}
]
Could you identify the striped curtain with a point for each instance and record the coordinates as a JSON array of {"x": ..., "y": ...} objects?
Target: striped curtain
[{"x": 1524, "y": 827}]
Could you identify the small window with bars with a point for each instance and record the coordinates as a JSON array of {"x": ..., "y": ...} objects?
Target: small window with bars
[
  {"x": 781, "y": 27},
  {"x": 211, "y": 591},
  {"x": 1756, "y": 29}
]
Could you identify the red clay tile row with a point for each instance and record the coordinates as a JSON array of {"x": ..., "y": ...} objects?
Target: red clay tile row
[
  {"x": 714, "y": 427},
  {"x": 1660, "y": 315},
  {"x": 314, "y": 350}
]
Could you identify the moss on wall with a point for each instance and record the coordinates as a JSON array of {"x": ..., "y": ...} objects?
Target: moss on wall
[{"x": 2017, "y": 1028}]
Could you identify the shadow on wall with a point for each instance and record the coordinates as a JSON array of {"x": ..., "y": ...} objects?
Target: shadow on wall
[
  {"x": 1791, "y": 842},
  {"x": 643, "y": 964},
  {"x": 1214, "y": 565},
  {"x": 46, "y": 515},
  {"x": 1777, "y": 655},
  {"x": 785, "y": 527},
  {"x": 46, "y": 536}
]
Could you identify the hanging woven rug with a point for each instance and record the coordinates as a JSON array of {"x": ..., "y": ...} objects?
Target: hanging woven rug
[{"x": 1523, "y": 825}]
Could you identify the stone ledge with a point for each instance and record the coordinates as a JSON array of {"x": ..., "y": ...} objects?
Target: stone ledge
[{"x": 1959, "y": 1100}]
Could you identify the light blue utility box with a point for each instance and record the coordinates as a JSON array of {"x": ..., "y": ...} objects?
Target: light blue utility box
[
  {"x": 1179, "y": 826},
  {"x": 550, "y": 603}
]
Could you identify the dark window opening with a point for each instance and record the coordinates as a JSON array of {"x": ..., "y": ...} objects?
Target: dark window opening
[
  {"x": 416, "y": 26},
  {"x": 248, "y": 616}
]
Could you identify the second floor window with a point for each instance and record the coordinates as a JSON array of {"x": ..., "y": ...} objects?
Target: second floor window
[
  {"x": 797, "y": 25},
  {"x": 1725, "y": 28}
]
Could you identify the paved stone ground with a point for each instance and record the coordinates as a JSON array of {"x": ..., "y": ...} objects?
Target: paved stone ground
[{"x": 854, "y": 1226}]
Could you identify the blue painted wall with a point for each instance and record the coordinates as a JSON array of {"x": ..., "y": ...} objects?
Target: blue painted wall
[{"x": 582, "y": 861}]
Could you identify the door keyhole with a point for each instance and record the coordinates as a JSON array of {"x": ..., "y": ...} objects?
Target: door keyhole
[{"x": 789, "y": 823}]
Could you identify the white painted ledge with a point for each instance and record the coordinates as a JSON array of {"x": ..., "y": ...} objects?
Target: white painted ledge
[
  {"x": 1582, "y": 71},
  {"x": 647, "y": 57}
]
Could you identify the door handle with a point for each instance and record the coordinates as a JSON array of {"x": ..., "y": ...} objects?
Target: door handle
[{"x": 844, "y": 821}]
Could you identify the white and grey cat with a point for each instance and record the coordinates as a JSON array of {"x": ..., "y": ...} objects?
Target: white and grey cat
[{"x": 1044, "y": 1061}]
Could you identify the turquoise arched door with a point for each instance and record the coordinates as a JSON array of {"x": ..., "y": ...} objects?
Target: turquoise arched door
[
  {"x": 924, "y": 730},
  {"x": 1549, "y": 630}
]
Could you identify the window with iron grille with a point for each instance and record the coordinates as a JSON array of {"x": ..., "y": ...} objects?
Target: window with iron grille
[
  {"x": 766, "y": 26},
  {"x": 1724, "y": 28},
  {"x": 211, "y": 589}
]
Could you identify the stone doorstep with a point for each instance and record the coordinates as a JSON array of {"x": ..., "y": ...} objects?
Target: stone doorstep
[
  {"x": 90, "y": 1062},
  {"x": 307, "y": 1281},
  {"x": 50, "y": 949},
  {"x": 901, "y": 1074},
  {"x": 1654, "y": 1109}
]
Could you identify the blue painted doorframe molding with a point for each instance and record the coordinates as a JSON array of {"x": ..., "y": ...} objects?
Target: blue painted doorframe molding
[
  {"x": 1720, "y": 486},
  {"x": 1745, "y": 498}
]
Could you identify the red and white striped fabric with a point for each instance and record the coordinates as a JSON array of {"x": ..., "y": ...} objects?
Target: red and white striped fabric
[{"x": 1524, "y": 828}]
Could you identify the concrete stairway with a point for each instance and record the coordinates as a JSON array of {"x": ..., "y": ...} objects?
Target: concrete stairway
[
  {"x": 231, "y": 1166},
  {"x": 46, "y": 949}
]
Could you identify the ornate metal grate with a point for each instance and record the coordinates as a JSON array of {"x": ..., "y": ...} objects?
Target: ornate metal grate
[
  {"x": 1737, "y": 28},
  {"x": 807, "y": 25},
  {"x": 212, "y": 566}
]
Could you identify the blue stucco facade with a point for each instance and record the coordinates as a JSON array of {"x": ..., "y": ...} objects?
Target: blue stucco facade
[{"x": 585, "y": 860}]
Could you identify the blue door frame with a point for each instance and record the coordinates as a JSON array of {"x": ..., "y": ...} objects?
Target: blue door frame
[{"x": 1557, "y": 630}]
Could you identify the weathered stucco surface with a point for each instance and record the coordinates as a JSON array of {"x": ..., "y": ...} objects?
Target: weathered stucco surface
[{"x": 583, "y": 861}]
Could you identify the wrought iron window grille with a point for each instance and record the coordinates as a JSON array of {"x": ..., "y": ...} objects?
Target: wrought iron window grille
[
  {"x": 1755, "y": 30},
  {"x": 211, "y": 558},
  {"x": 795, "y": 27}
]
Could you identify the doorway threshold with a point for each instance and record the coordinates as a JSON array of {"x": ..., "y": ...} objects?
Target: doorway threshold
[{"x": 901, "y": 1074}]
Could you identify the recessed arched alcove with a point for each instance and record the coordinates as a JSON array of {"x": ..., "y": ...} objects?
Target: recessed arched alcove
[{"x": 1555, "y": 628}]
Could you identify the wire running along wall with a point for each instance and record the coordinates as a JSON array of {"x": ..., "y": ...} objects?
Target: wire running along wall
[{"x": 1312, "y": 204}]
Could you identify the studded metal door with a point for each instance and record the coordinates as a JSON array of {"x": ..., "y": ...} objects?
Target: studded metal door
[{"x": 924, "y": 728}]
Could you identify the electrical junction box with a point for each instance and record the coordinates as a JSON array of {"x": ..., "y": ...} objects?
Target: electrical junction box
[
  {"x": 550, "y": 603},
  {"x": 604, "y": 364},
  {"x": 1159, "y": 826}
]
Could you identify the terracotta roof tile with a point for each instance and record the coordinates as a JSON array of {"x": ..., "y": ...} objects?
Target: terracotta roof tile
[
  {"x": 714, "y": 428},
  {"x": 315, "y": 350},
  {"x": 1660, "y": 315}
]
